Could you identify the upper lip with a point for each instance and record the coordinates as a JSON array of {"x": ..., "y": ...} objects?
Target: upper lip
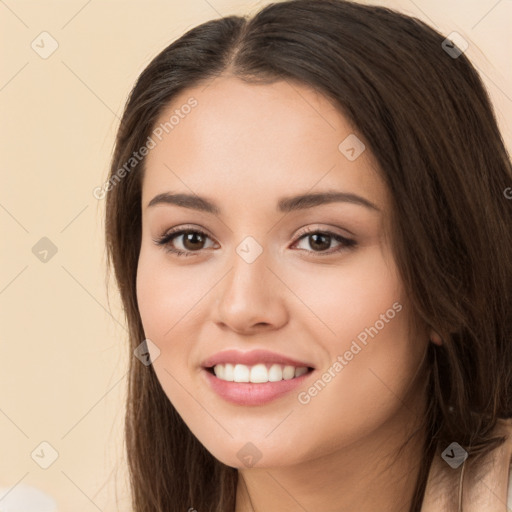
[{"x": 251, "y": 358}]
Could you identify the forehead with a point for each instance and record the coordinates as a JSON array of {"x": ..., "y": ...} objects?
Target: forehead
[{"x": 254, "y": 140}]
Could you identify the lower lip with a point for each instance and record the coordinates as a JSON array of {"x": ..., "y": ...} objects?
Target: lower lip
[{"x": 249, "y": 393}]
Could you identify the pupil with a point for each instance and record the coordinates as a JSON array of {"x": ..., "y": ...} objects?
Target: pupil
[
  {"x": 192, "y": 239},
  {"x": 315, "y": 238}
]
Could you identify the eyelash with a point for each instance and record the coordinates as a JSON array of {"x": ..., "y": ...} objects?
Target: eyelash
[{"x": 166, "y": 238}]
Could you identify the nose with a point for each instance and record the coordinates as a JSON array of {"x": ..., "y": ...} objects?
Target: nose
[{"x": 250, "y": 299}]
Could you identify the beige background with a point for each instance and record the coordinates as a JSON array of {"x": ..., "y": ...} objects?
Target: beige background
[{"x": 63, "y": 348}]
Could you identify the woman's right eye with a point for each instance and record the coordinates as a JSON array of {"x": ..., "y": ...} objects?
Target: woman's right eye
[{"x": 192, "y": 241}]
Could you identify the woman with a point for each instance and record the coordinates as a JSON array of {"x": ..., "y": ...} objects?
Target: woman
[{"x": 307, "y": 220}]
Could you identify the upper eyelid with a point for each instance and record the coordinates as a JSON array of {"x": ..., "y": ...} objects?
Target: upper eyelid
[
  {"x": 185, "y": 229},
  {"x": 308, "y": 230}
]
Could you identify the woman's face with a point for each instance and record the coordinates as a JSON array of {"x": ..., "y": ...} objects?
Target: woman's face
[{"x": 307, "y": 283}]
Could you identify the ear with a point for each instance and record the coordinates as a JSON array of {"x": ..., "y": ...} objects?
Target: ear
[{"x": 435, "y": 338}]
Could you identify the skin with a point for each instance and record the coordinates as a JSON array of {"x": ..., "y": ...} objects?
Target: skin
[{"x": 243, "y": 147}]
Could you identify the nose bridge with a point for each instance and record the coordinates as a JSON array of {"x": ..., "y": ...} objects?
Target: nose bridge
[
  {"x": 249, "y": 273},
  {"x": 248, "y": 295}
]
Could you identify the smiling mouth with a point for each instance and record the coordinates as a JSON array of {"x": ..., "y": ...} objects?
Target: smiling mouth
[{"x": 258, "y": 373}]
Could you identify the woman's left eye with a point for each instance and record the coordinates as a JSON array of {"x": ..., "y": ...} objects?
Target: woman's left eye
[
  {"x": 193, "y": 241},
  {"x": 322, "y": 241}
]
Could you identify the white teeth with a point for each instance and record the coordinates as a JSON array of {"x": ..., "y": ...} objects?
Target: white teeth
[
  {"x": 275, "y": 373},
  {"x": 288, "y": 372},
  {"x": 229, "y": 372},
  {"x": 241, "y": 373},
  {"x": 258, "y": 373},
  {"x": 219, "y": 371}
]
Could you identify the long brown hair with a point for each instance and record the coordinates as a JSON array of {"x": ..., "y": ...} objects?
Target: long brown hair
[{"x": 429, "y": 123}]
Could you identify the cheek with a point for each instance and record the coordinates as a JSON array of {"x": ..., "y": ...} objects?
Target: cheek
[
  {"x": 161, "y": 306},
  {"x": 166, "y": 297},
  {"x": 370, "y": 376},
  {"x": 343, "y": 301},
  {"x": 173, "y": 305},
  {"x": 167, "y": 294},
  {"x": 366, "y": 385},
  {"x": 372, "y": 355}
]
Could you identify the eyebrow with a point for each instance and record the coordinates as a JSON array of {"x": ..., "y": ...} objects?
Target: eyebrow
[{"x": 285, "y": 204}]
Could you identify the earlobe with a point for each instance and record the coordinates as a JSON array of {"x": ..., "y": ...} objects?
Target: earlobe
[{"x": 435, "y": 338}]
